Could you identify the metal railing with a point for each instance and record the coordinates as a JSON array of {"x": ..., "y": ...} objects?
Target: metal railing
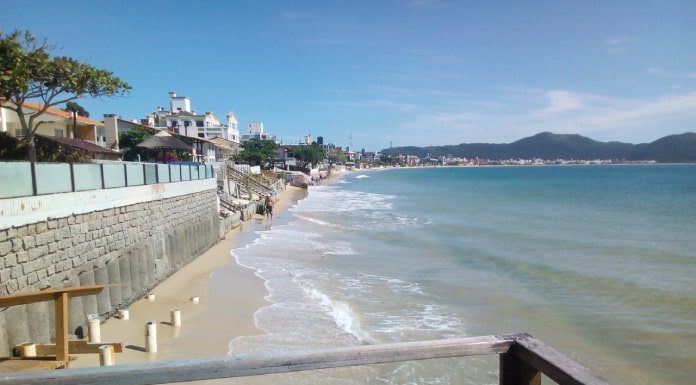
[
  {"x": 522, "y": 361},
  {"x": 20, "y": 179}
]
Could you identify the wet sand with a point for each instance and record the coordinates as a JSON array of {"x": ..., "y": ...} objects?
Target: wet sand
[{"x": 225, "y": 310}]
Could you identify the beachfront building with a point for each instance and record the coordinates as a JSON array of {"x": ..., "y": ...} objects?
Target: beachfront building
[
  {"x": 61, "y": 128},
  {"x": 256, "y": 131},
  {"x": 202, "y": 150},
  {"x": 224, "y": 148},
  {"x": 182, "y": 120}
]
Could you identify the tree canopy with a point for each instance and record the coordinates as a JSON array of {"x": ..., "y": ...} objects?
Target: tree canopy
[
  {"x": 76, "y": 108},
  {"x": 29, "y": 73},
  {"x": 257, "y": 151},
  {"x": 309, "y": 154},
  {"x": 335, "y": 155},
  {"x": 129, "y": 140}
]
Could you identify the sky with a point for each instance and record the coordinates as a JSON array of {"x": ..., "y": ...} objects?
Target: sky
[{"x": 371, "y": 74}]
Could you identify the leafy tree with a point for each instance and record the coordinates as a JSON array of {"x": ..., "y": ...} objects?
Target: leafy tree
[
  {"x": 29, "y": 72},
  {"x": 309, "y": 154},
  {"x": 388, "y": 160},
  {"x": 128, "y": 141},
  {"x": 257, "y": 151},
  {"x": 335, "y": 155},
  {"x": 76, "y": 108}
]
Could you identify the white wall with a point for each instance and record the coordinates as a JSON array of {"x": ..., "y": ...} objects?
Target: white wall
[{"x": 31, "y": 209}]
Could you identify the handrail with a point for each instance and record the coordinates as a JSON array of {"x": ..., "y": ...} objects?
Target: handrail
[
  {"x": 248, "y": 183},
  {"x": 522, "y": 359}
]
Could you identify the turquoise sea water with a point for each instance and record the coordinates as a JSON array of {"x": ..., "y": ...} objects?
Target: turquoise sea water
[{"x": 597, "y": 261}]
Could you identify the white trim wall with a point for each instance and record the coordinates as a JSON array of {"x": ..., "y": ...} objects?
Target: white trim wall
[{"x": 31, "y": 209}]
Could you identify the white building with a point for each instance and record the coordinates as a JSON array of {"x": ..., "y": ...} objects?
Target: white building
[
  {"x": 182, "y": 120},
  {"x": 256, "y": 128},
  {"x": 256, "y": 132}
]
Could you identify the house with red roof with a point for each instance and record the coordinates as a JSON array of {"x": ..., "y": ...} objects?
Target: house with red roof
[{"x": 58, "y": 126}]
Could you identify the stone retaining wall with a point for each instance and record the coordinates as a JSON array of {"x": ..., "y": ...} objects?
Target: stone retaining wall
[{"x": 137, "y": 245}]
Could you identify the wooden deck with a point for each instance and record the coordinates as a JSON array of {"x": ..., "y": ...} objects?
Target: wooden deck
[{"x": 522, "y": 361}]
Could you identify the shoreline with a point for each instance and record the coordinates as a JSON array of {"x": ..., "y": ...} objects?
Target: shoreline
[{"x": 225, "y": 311}]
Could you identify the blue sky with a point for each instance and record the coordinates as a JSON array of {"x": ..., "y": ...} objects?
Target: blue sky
[{"x": 421, "y": 72}]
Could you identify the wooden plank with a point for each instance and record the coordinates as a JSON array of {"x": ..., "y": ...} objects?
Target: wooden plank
[
  {"x": 50, "y": 294},
  {"x": 77, "y": 347},
  {"x": 226, "y": 367},
  {"x": 552, "y": 363},
  {"x": 14, "y": 366},
  {"x": 62, "y": 327},
  {"x": 515, "y": 371}
]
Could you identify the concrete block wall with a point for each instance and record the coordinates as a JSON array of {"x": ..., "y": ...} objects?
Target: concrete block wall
[{"x": 138, "y": 245}]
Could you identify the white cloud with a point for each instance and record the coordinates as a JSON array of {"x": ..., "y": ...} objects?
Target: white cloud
[
  {"x": 615, "y": 45},
  {"x": 560, "y": 101},
  {"x": 662, "y": 73},
  {"x": 597, "y": 116}
]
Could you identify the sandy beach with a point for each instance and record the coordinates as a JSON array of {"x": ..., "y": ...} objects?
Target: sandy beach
[{"x": 225, "y": 309}]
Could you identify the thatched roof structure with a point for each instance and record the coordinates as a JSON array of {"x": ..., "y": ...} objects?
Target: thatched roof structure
[{"x": 163, "y": 140}]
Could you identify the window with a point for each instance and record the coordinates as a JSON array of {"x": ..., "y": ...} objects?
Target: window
[
  {"x": 199, "y": 123},
  {"x": 201, "y": 135},
  {"x": 58, "y": 133}
]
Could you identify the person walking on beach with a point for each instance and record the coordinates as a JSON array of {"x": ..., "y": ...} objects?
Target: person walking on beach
[{"x": 269, "y": 208}]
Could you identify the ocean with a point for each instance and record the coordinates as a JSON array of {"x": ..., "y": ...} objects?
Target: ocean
[{"x": 597, "y": 261}]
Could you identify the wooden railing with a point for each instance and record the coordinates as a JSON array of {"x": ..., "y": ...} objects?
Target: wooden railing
[{"x": 522, "y": 360}]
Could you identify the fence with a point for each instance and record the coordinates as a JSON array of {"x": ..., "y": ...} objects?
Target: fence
[
  {"x": 522, "y": 360},
  {"x": 245, "y": 168},
  {"x": 18, "y": 179}
]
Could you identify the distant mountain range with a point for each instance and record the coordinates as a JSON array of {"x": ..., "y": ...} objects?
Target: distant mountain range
[{"x": 670, "y": 149}]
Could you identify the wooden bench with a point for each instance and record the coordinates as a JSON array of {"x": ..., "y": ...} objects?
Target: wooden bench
[{"x": 56, "y": 355}]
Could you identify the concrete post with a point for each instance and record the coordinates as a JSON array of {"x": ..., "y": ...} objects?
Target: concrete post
[
  {"x": 4, "y": 346},
  {"x": 151, "y": 337},
  {"x": 106, "y": 355},
  {"x": 94, "y": 330},
  {"x": 16, "y": 322},
  {"x": 124, "y": 270},
  {"x": 89, "y": 302},
  {"x": 114, "y": 274},
  {"x": 27, "y": 350},
  {"x": 101, "y": 277},
  {"x": 134, "y": 262},
  {"x": 175, "y": 317},
  {"x": 39, "y": 322}
]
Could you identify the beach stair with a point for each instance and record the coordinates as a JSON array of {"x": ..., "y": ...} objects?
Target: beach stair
[
  {"x": 522, "y": 361},
  {"x": 251, "y": 183},
  {"x": 40, "y": 357}
]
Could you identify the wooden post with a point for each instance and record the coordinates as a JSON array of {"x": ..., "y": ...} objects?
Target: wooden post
[
  {"x": 176, "y": 317},
  {"x": 106, "y": 355},
  {"x": 514, "y": 371},
  {"x": 151, "y": 337},
  {"x": 61, "y": 303},
  {"x": 27, "y": 349},
  {"x": 94, "y": 327}
]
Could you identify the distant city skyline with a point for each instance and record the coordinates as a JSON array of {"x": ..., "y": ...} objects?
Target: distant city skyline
[{"x": 421, "y": 72}]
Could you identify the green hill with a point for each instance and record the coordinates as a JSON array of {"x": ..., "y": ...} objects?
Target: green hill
[{"x": 674, "y": 148}]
